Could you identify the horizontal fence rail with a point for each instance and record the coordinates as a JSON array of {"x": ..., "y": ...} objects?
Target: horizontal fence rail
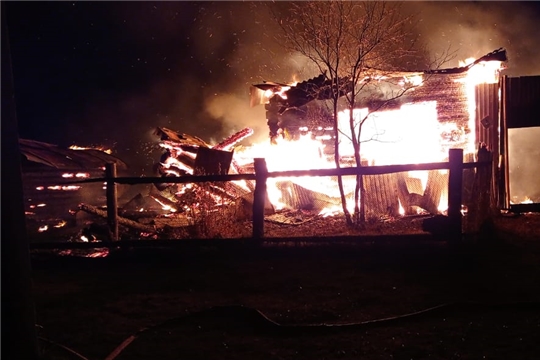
[
  {"x": 345, "y": 171},
  {"x": 455, "y": 165}
]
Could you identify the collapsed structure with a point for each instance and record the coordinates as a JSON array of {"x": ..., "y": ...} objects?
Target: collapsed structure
[{"x": 49, "y": 205}]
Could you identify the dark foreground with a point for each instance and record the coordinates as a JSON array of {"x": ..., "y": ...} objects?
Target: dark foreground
[{"x": 203, "y": 303}]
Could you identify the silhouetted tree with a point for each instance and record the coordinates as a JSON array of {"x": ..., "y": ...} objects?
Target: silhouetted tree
[{"x": 357, "y": 46}]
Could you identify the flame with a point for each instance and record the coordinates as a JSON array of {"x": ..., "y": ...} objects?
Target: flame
[
  {"x": 173, "y": 162},
  {"x": 64, "y": 188},
  {"x": 302, "y": 154},
  {"x": 78, "y": 175},
  {"x": 43, "y": 228},
  {"x": 100, "y": 148},
  {"x": 395, "y": 136},
  {"x": 401, "y": 209},
  {"x": 411, "y": 134},
  {"x": 484, "y": 72},
  {"x": 412, "y": 81},
  {"x": 60, "y": 224},
  {"x": 527, "y": 201},
  {"x": 164, "y": 206}
]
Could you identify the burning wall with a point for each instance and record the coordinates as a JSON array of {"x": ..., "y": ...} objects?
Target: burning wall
[{"x": 419, "y": 126}]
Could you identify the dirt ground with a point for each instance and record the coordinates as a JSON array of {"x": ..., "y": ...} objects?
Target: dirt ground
[{"x": 242, "y": 303}]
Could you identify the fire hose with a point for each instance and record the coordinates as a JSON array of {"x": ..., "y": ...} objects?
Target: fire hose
[{"x": 269, "y": 327}]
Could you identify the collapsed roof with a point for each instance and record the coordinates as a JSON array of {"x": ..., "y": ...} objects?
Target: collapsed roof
[
  {"x": 319, "y": 88},
  {"x": 62, "y": 158}
]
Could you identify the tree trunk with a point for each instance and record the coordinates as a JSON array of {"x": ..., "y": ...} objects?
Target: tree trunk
[{"x": 336, "y": 160}]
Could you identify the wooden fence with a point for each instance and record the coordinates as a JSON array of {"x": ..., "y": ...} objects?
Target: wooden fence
[{"x": 455, "y": 165}]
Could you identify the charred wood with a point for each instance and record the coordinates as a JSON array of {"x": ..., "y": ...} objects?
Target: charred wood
[{"x": 121, "y": 220}]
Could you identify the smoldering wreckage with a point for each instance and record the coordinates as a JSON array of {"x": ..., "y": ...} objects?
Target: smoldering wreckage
[{"x": 299, "y": 130}]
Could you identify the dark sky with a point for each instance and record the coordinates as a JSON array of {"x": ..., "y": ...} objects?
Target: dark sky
[{"x": 108, "y": 73}]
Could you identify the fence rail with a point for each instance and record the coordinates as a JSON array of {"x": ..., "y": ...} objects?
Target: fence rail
[{"x": 455, "y": 165}]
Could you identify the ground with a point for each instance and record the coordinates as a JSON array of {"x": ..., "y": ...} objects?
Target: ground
[{"x": 203, "y": 300}]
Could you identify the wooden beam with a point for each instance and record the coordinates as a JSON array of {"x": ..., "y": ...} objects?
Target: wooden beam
[{"x": 112, "y": 201}]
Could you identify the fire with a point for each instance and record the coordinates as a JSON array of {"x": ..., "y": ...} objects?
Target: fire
[
  {"x": 100, "y": 148},
  {"x": 165, "y": 206},
  {"x": 60, "y": 224},
  {"x": 77, "y": 175},
  {"x": 64, "y": 188},
  {"x": 527, "y": 200},
  {"x": 484, "y": 72},
  {"x": 404, "y": 136},
  {"x": 172, "y": 162},
  {"x": 302, "y": 154},
  {"x": 409, "y": 134}
]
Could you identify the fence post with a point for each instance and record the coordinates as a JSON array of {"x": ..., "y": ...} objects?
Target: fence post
[
  {"x": 259, "y": 197},
  {"x": 455, "y": 188},
  {"x": 112, "y": 201}
]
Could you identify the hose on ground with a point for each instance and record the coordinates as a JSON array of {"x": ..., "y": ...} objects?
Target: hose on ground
[
  {"x": 63, "y": 347},
  {"x": 268, "y": 326}
]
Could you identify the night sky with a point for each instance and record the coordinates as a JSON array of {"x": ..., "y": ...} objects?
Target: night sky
[{"x": 108, "y": 73}]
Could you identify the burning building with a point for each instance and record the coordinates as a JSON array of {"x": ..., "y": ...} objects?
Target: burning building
[{"x": 462, "y": 107}]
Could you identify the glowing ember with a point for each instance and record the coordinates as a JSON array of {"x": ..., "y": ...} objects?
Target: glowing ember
[
  {"x": 98, "y": 253},
  {"x": 43, "y": 228},
  {"x": 175, "y": 163},
  {"x": 165, "y": 206},
  {"x": 62, "y": 223},
  {"x": 64, "y": 188},
  {"x": 77, "y": 175}
]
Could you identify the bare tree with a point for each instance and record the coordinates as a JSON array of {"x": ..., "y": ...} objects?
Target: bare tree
[{"x": 350, "y": 42}]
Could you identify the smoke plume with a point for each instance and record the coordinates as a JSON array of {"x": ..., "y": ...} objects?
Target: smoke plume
[{"x": 189, "y": 65}]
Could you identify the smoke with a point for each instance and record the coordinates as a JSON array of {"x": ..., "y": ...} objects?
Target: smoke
[
  {"x": 206, "y": 56},
  {"x": 473, "y": 29},
  {"x": 228, "y": 46},
  {"x": 189, "y": 65}
]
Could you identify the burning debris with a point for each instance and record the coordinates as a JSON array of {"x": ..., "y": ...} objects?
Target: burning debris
[
  {"x": 420, "y": 128},
  {"x": 50, "y": 202}
]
